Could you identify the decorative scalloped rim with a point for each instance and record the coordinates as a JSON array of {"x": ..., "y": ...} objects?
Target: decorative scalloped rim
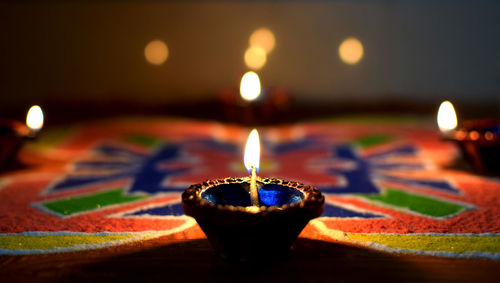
[
  {"x": 193, "y": 194},
  {"x": 462, "y": 134}
]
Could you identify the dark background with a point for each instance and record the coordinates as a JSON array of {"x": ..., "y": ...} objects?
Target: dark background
[{"x": 74, "y": 56}]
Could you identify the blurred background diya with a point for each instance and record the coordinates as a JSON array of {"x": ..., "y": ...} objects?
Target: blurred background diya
[
  {"x": 14, "y": 133},
  {"x": 477, "y": 139},
  {"x": 254, "y": 104},
  {"x": 252, "y": 218}
]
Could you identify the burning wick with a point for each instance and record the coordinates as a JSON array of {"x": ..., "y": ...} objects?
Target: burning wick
[
  {"x": 254, "y": 194},
  {"x": 252, "y": 162}
]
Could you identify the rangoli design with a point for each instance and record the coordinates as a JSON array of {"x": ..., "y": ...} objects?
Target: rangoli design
[{"x": 387, "y": 186}]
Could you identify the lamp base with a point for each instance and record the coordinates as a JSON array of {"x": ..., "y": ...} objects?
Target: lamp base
[
  {"x": 479, "y": 142},
  {"x": 245, "y": 232}
]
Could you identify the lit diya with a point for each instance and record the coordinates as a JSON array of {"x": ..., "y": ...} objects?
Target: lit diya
[
  {"x": 254, "y": 104},
  {"x": 251, "y": 217},
  {"x": 14, "y": 133},
  {"x": 478, "y": 139}
]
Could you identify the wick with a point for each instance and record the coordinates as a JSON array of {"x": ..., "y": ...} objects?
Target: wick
[{"x": 254, "y": 194}]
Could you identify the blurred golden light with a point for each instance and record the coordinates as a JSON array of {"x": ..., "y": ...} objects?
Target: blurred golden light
[
  {"x": 474, "y": 135},
  {"x": 250, "y": 86},
  {"x": 156, "y": 52},
  {"x": 34, "y": 118},
  {"x": 351, "y": 51},
  {"x": 460, "y": 135},
  {"x": 446, "y": 117},
  {"x": 264, "y": 38},
  {"x": 489, "y": 136},
  {"x": 255, "y": 57}
]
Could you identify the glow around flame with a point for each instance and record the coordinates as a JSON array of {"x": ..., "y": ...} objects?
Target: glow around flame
[
  {"x": 250, "y": 86},
  {"x": 252, "y": 151},
  {"x": 446, "y": 117},
  {"x": 34, "y": 118}
]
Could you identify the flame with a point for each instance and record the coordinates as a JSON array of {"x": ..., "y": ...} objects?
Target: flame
[
  {"x": 446, "y": 117},
  {"x": 252, "y": 151},
  {"x": 250, "y": 86},
  {"x": 34, "y": 118},
  {"x": 351, "y": 51}
]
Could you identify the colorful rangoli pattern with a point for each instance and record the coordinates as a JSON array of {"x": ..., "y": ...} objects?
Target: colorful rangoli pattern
[{"x": 388, "y": 186}]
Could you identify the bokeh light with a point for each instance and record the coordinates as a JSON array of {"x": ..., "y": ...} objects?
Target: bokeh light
[
  {"x": 255, "y": 57},
  {"x": 156, "y": 52},
  {"x": 264, "y": 38},
  {"x": 351, "y": 51}
]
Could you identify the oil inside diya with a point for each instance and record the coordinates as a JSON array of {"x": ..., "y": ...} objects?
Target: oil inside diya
[
  {"x": 239, "y": 230},
  {"x": 479, "y": 141}
]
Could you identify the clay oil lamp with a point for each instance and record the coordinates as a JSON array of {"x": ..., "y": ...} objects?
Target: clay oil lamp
[
  {"x": 251, "y": 218},
  {"x": 13, "y": 134},
  {"x": 478, "y": 140}
]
